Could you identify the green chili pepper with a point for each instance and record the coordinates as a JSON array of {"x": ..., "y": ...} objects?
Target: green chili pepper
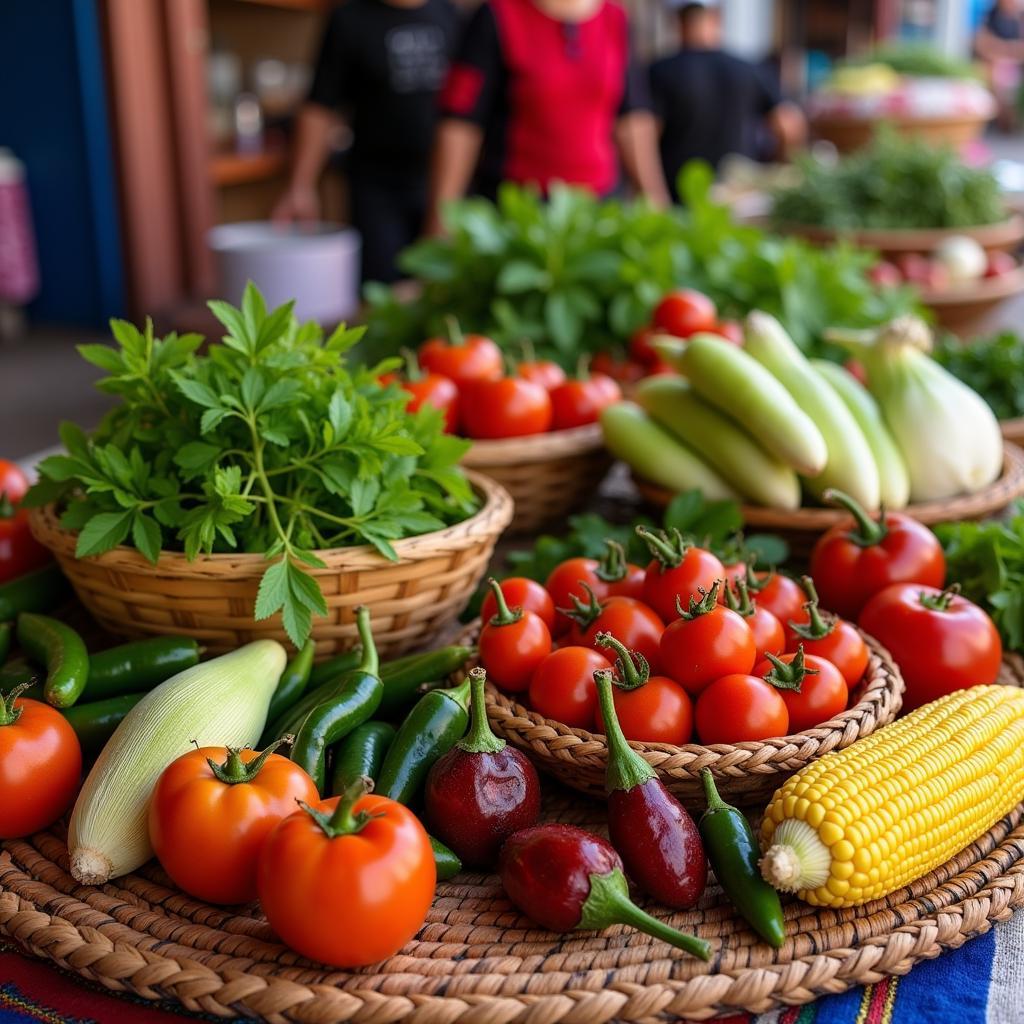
[
  {"x": 330, "y": 669},
  {"x": 19, "y": 672},
  {"x": 95, "y": 723},
  {"x": 360, "y": 753},
  {"x": 435, "y": 724},
  {"x": 38, "y": 591},
  {"x": 445, "y": 860},
  {"x": 138, "y": 666},
  {"x": 733, "y": 852},
  {"x": 61, "y": 650},
  {"x": 356, "y": 701},
  {"x": 293, "y": 681},
  {"x": 6, "y": 631},
  {"x": 403, "y": 678}
]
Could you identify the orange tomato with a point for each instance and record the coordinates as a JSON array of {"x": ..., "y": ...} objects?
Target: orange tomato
[
  {"x": 348, "y": 881},
  {"x": 207, "y": 832}
]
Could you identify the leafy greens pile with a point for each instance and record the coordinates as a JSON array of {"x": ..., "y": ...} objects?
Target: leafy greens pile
[
  {"x": 916, "y": 59},
  {"x": 577, "y": 274},
  {"x": 267, "y": 442},
  {"x": 993, "y": 366},
  {"x": 893, "y": 183}
]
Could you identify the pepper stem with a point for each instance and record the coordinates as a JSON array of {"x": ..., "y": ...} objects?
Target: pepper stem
[
  {"x": 480, "y": 739},
  {"x": 234, "y": 770},
  {"x": 940, "y": 602},
  {"x": 504, "y": 616},
  {"x": 370, "y": 663},
  {"x": 9, "y": 714},
  {"x": 868, "y": 532},
  {"x": 788, "y": 676},
  {"x": 609, "y": 903},
  {"x": 612, "y": 567},
  {"x": 633, "y": 667},
  {"x": 669, "y": 549},
  {"x": 817, "y": 626},
  {"x": 711, "y": 794},
  {"x": 626, "y": 768},
  {"x": 706, "y": 604},
  {"x": 583, "y": 613},
  {"x": 345, "y": 821}
]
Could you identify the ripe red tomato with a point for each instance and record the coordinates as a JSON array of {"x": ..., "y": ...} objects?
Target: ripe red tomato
[
  {"x": 440, "y": 392},
  {"x": 685, "y": 312},
  {"x": 524, "y": 593},
  {"x": 195, "y": 809},
  {"x": 767, "y": 631},
  {"x": 13, "y": 482},
  {"x": 823, "y": 692},
  {"x": 579, "y": 402},
  {"x": 20, "y": 552},
  {"x": 640, "y": 347},
  {"x": 566, "y": 581},
  {"x": 512, "y": 644},
  {"x": 544, "y": 372},
  {"x": 630, "y": 584},
  {"x": 828, "y": 637},
  {"x": 782, "y": 596},
  {"x": 625, "y": 371},
  {"x": 705, "y": 644},
  {"x": 563, "y": 686},
  {"x": 941, "y": 641},
  {"x": 347, "y": 896},
  {"x": 40, "y": 765},
  {"x": 677, "y": 570},
  {"x": 463, "y": 358},
  {"x": 739, "y": 708},
  {"x": 731, "y": 330},
  {"x": 510, "y": 407},
  {"x": 658, "y": 711},
  {"x": 630, "y": 621},
  {"x": 857, "y": 558},
  {"x": 731, "y": 572}
]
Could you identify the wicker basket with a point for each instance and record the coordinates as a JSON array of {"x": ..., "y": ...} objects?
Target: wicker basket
[
  {"x": 414, "y": 600},
  {"x": 850, "y": 133},
  {"x": 1013, "y": 430},
  {"x": 801, "y": 527},
  {"x": 964, "y": 309},
  {"x": 746, "y": 773},
  {"x": 548, "y": 475}
]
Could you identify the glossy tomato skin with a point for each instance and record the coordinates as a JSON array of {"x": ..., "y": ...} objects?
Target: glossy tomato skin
[
  {"x": 739, "y": 708},
  {"x": 20, "y": 552},
  {"x": 631, "y": 584},
  {"x": 660, "y": 711},
  {"x": 510, "y": 653},
  {"x": 848, "y": 574},
  {"x": 731, "y": 572},
  {"x": 543, "y": 372},
  {"x": 13, "y": 482},
  {"x": 40, "y": 769},
  {"x": 477, "y": 358},
  {"x": 566, "y": 580},
  {"x": 352, "y": 900},
  {"x": 844, "y": 647},
  {"x": 663, "y": 584},
  {"x": 685, "y": 312},
  {"x": 782, "y": 596},
  {"x": 563, "y": 686},
  {"x": 524, "y": 593},
  {"x": 640, "y": 347},
  {"x": 510, "y": 407},
  {"x": 207, "y": 834},
  {"x": 631, "y": 622},
  {"x": 577, "y": 403},
  {"x": 624, "y": 371},
  {"x": 937, "y": 651},
  {"x": 769, "y": 636},
  {"x": 731, "y": 330},
  {"x": 695, "y": 652},
  {"x": 440, "y": 392},
  {"x": 823, "y": 694}
]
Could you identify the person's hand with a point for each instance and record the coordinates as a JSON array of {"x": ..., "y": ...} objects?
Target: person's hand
[{"x": 299, "y": 204}]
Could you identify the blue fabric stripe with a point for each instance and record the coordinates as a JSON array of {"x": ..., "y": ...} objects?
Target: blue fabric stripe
[{"x": 840, "y": 1009}]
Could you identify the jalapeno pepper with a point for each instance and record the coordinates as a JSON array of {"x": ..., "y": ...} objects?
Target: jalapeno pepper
[
  {"x": 403, "y": 677},
  {"x": 138, "y": 666},
  {"x": 445, "y": 861},
  {"x": 355, "y": 701},
  {"x": 6, "y": 631},
  {"x": 435, "y": 724},
  {"x": 293, "y": 682},
  {"x": 330, "y": 669},
  {"x": 732, "y": 849},
  {"x": 95, "y": 723},
  {"x": 61, "y": 650},
  {"x": 37, "y": 591},
  {"x": 360, "y": 753}
]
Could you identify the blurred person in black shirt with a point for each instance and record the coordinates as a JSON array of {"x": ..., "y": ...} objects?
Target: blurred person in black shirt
[
  {"x": 710, "y": 103},
  {"x": 382, "y": 64}
]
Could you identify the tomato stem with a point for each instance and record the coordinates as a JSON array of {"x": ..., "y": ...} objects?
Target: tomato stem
[
  {"x": 612, "y": 567},
  {"x": 791, "y": 676},
  {"x": 634, "y": 669},
  {"x": 370, "y": 663},
  {"x": 583, "y": 613},
  {"x": 9, "y": 714},
  {"x": 413, "y": 370},
  {"x": 504, "y": 616},
  {"x": 480, "y": 739},
  {"x": 626, "y": 768},
  {"x": 706, "y": 604},
  {"x": 234, "y": 770},
  {"x": 868, "y": 531},
  {"x": 345, "y": 821},
  {"x": 818, "y": 625},
  {"x": 737, "y": 597},
  {"x": 455, "y": 336},
  {"x": 940, "y": 602},
  {"x": 669, "y": 548}
]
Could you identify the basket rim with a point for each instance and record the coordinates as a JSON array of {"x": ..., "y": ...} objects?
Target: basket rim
[
  {"x": 981, "y": 292},
  {"x": 493, "y": 517},
  {"x": 555, "y": 444}
]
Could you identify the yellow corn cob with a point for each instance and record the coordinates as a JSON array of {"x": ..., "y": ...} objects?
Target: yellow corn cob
[{"x": 862, "y": 822}]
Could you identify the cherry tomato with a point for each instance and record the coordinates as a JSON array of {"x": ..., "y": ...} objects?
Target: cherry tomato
[
  {"x": 512, "y": 644},
  {"x": 640, "y": 347},
  {"x": 463, "y": 358},
  {"x": 782, "y": 596},
  {"x": 625, "y": 371},
  {"x": 13, "y": 482},
  {"x": 677, "y": 570},
  {"x": 767, "y": 631},
  {"x": 566, "y": 581},
  {"x": 195, "y": 808},
  {"x": 440, "y": 392},
  {"x": 685, "y": 312},
  {"x": 941, "y": 641},
  {"x": 347, "y": 892},
  {"x": 20, "y": 552},
  {"x": 731, "y": 330},
  {"x": 731, "y": 572},
  {"x": 739, "y": 708},
  {"x": 660, "y": 368},
  {"x": 630, "y": 621},
  {"x": 823, "y": 692},
  {"x": 885, "y": 275},
  {"x": 857, "y": 558},
  {"x": 579, "y": 402},
  {"x": 828, "y": 637},
  {"x": 563, "y": 686},
  {"x": 544, "y": 372},
  {"x": 40, "y": 765},
  {"x": 510, "y": 407},
  {"x": 524, "y": 593}
]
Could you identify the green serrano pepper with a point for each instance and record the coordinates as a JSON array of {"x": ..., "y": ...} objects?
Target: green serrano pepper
[
  {"x": 356, "y": 701},
  {"x": 95, "y": 723},
  {"x": 293, "y": 681},
  {"x": 61, "y": 650},
  {"x": 38, "y": 591},
  {"x": 436, "y": 723},
  {"x": 6, "y": 631},
  {"x": 403, "y": 678},
  {"x": 138, "y": 666},
  {"x": 360, "y": 753},
  {"x": 445, "y": 860},
  {"x": 329, "y": 670},
  {"x": 732, "y": 851},
  {"x": 20, "y": 673}
]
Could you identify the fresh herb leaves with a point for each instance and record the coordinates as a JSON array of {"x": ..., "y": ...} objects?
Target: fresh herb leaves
[
  {"x": 267, "y": 442},
  {"x": 994, "y": 367}
]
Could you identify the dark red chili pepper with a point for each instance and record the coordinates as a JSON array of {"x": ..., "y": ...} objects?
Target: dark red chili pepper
[
  {"x": 657, "y": 840},
  {"x": 564, "y": 878}
]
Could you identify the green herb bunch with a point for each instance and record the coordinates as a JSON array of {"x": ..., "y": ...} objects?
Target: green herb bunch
[
  {"x": 266, "y": 442},
  {"x": 993, "y": 366},
  {"x": 916, "y": 60}
]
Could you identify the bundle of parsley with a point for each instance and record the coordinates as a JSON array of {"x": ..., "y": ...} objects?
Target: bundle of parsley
[{"x": 266, "y": 442}]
